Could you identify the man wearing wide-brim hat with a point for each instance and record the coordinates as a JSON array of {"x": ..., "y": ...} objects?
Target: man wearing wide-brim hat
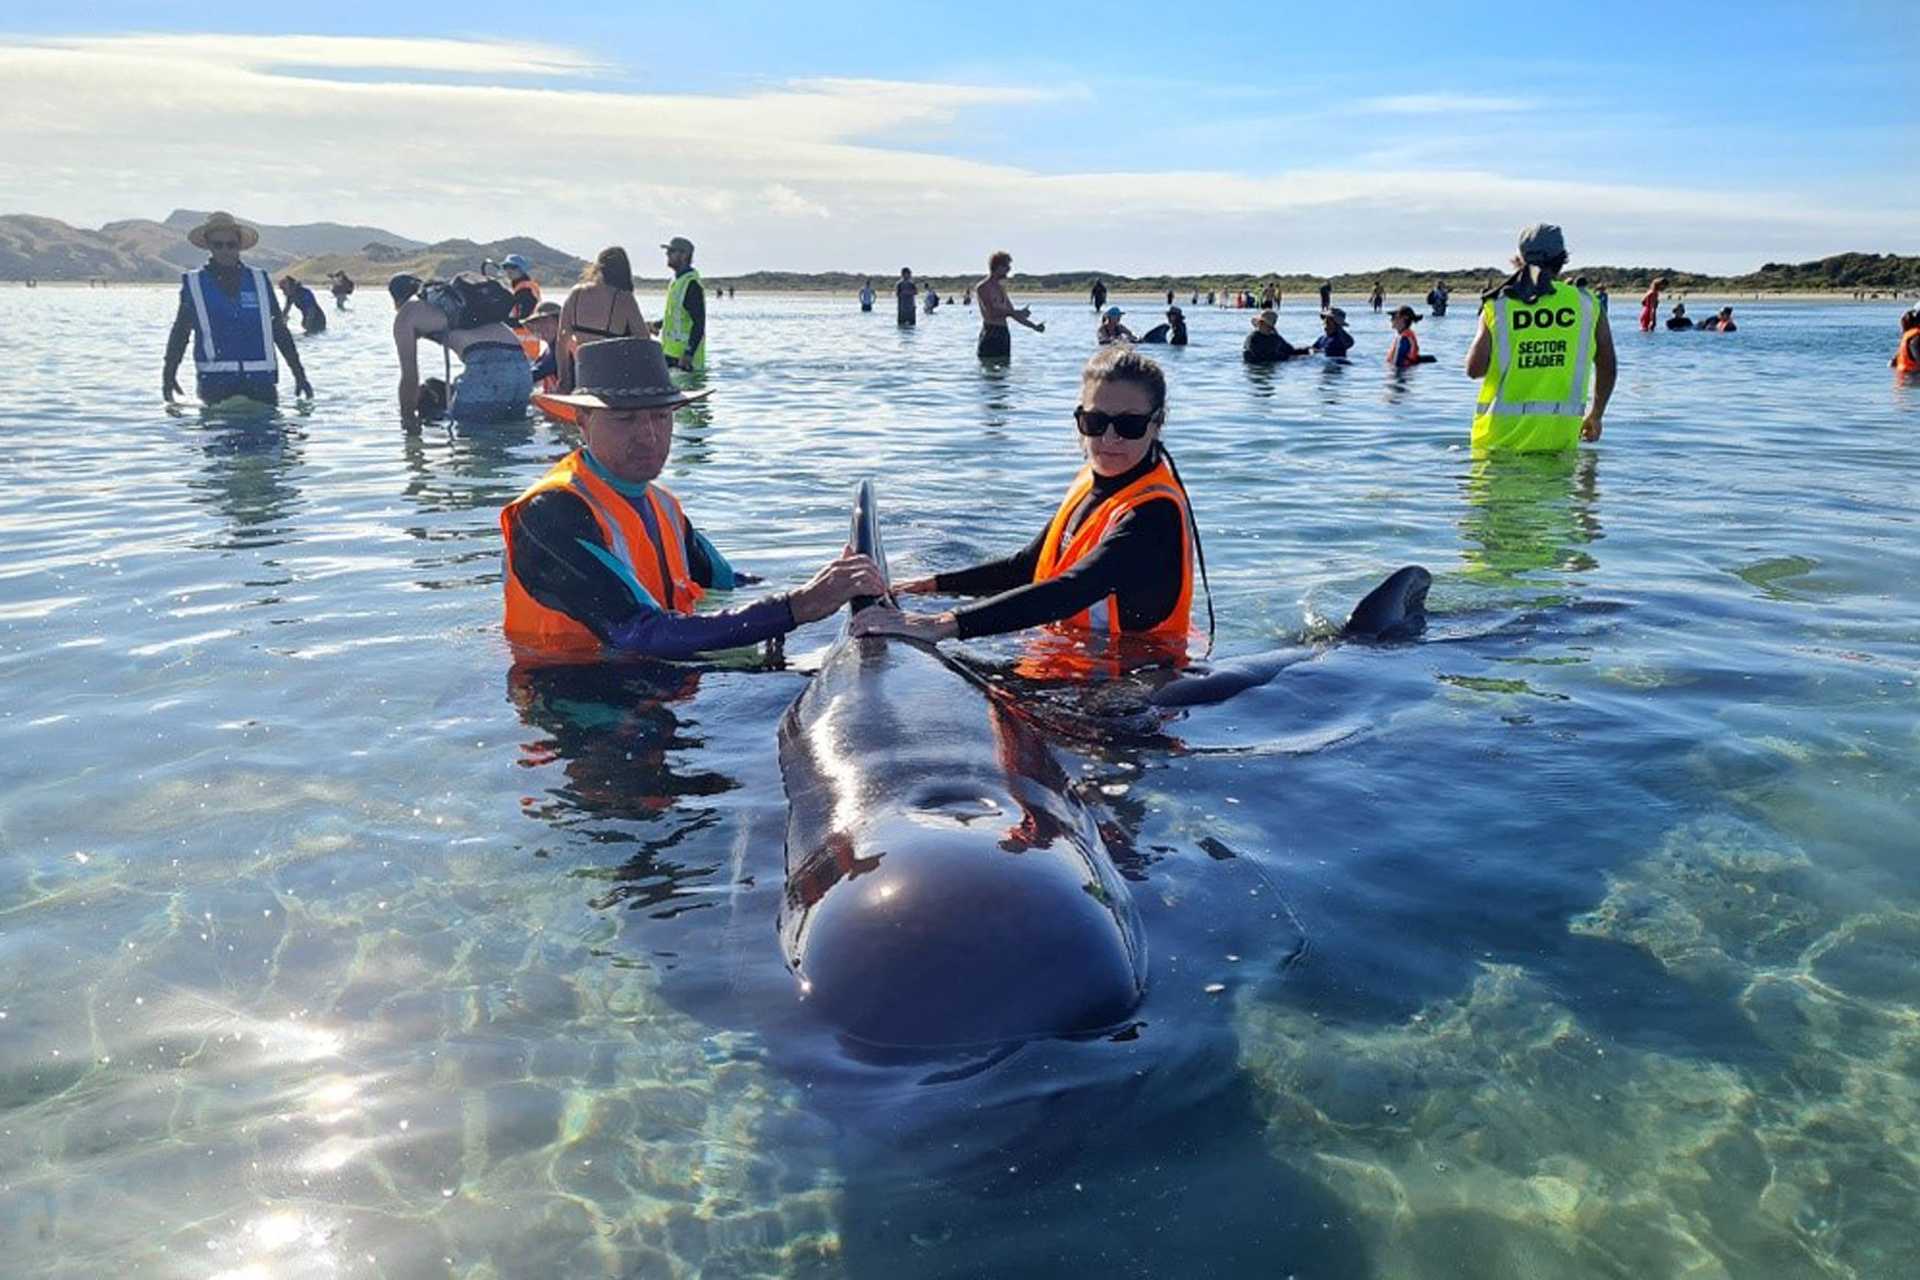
[
  {"x": 600, "y": 558},
  {"x": 227, "y": 311}
]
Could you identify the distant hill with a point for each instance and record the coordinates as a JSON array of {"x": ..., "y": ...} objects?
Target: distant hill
[
  {"x": 376, "y": 262},
  {"x": 139, "y": 249},
  {"x": 305, "y": 240}
]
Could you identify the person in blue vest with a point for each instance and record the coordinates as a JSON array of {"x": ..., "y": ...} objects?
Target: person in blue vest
[{"x": 227, "y": 312}]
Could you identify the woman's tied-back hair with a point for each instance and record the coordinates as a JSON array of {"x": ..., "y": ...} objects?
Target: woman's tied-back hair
[
  {"x": 1124, "y": 364},
  {"x": 612, "y": 268},
  {"x": 1000, "y": 258}
]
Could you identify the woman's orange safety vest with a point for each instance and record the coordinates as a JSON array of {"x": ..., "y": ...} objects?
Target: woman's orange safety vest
[
  {"x": 1413, "y": 348},
  {"x": 1055, "y": 558},
  {"x": 661, "y": 567},
  {"x": 1903, "y": 358}
]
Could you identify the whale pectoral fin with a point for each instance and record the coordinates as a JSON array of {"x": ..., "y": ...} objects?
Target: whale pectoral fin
[
  {"x": 1225, "y": 679},
  {"x": 1394, "y": 610}
]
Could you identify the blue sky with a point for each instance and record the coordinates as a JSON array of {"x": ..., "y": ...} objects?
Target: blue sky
[{"x": 1130, "y": 137}]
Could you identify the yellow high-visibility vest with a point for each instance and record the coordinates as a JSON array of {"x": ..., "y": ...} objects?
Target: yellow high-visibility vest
[
  {"x": 1534, "y": 396},
  {"x": 676, "y": 326}
]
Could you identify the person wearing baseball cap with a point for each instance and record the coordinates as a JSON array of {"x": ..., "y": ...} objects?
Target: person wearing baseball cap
[
  {"x": 227, "y": 312},
  {"x": 526, "y": 290},
  {"x": 683, "y": 326},
  {"x": 1404, "y": 352},
  {"x": 1541, "y": 345},
  {"x": 600, "y": 559},
  {"x": 1111, "y": 330}
]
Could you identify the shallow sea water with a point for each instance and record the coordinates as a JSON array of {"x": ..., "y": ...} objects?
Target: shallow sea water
[{"x": 1580, "y": 939}]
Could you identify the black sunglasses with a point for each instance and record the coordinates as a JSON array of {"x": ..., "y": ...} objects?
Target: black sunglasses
[{"x": 1128, "y": 426}]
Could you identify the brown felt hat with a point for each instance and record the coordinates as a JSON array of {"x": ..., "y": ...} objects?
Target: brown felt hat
[{"x": 625, "y": 373}]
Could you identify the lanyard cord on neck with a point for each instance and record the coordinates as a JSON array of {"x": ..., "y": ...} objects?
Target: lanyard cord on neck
[{"x": 1200, "y": 550}]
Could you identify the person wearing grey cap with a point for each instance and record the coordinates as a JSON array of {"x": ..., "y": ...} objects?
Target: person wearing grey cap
[
  {"x": 1540, "y": 343},
  {"x": 683, "y": 326}
]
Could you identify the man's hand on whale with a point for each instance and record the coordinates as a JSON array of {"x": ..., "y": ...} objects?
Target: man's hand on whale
[{"x": 837, "y": 582}]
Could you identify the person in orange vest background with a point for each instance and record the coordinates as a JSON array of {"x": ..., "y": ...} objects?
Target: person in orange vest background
[
  {"x": 526, "y": 290},
  {"x": 1404, "y": 351},
  {"x": 1117, "y": 558},
  {"x": 1907, "y": 358},
  {"x": 600, "y": 558}
]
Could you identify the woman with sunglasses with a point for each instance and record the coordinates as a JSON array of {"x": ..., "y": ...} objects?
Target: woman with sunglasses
[{"x": 1117, "y": 558}]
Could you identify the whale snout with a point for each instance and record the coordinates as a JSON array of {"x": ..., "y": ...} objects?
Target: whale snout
[{"x": 963, "y": 925}]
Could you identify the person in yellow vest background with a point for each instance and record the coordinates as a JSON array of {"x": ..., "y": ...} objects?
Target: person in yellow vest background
[
  {"x": 1541, "y": 343},
  {"x": 600, "y": 558},
  {"x": 1116, "y": 559},
  {"x": 683, "y": 326}
]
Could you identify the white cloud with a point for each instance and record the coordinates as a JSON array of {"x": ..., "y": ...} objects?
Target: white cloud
[{"x": 807, "y": 175}]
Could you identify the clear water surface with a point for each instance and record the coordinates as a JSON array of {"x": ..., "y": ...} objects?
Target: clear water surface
[{"x": 1580, "y": 939}]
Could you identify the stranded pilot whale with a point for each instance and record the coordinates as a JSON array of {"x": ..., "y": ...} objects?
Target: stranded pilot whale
[{"x": 944, "y": 885}]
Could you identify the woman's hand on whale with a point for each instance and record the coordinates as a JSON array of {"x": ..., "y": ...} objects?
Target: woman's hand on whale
[
  {"x": 915, "y": 586},
  {"x": 837, "y": 582},
  {"x": 882, "y": 621}
]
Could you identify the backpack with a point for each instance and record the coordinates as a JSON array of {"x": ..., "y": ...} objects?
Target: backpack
[{"x": 470, "y": 300}]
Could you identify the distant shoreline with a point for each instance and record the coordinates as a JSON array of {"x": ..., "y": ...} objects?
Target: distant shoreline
[{"x": 1292, "y": 300}]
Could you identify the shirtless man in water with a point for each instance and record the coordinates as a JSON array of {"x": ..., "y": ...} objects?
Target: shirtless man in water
[{"x": 996, "y": 340}]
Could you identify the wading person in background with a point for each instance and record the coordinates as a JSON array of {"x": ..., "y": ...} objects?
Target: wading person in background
[
  {"x": 1906, "y": 357},
  {"x": 298, "y": 297},
  {"x": 1539, "y": 344},
  {"x": 497, "y": 379},
  {"x": 227, "y": 313},
  {"x": 683, "y": 326},
  {"x": 996, "y": 340},
  {"x": 526, "y": 290},
  {"x": 1404, "y": 351},
  {"x": 600, "y": 306},
  {"x": 601, "y": 560},
  {"x": 340, "y": 284},
  {"x": 1650, "y": 304},
  {"x": 1335, "y": 341},
  {"x": 906, "y": 299}
]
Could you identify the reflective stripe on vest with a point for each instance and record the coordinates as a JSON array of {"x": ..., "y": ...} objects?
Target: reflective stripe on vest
[
  {"x": 213, "y": 355},
  {"x": 1903, "y": 358},
  {"x": 1058, "y": 552},
  {"x": 1533, "y": 399},
  {"x": 661, "y": 567},
  {"x": 676, "y": 326}
]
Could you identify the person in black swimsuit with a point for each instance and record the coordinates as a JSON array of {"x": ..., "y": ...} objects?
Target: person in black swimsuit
[{"x": 601, "y": 306}]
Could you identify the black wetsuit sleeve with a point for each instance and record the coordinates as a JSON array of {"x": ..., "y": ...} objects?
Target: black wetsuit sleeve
[
  {"x": 550, "y": 561},
  {"x": 178, "y": 339},
  {"x": 695, "y": 302},
  {"x": 1137, "y": 560},
  {"x": 994, "y": 576},
  {"x": 283, "y": 340},
  {"x": 523, "y": 305}
]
